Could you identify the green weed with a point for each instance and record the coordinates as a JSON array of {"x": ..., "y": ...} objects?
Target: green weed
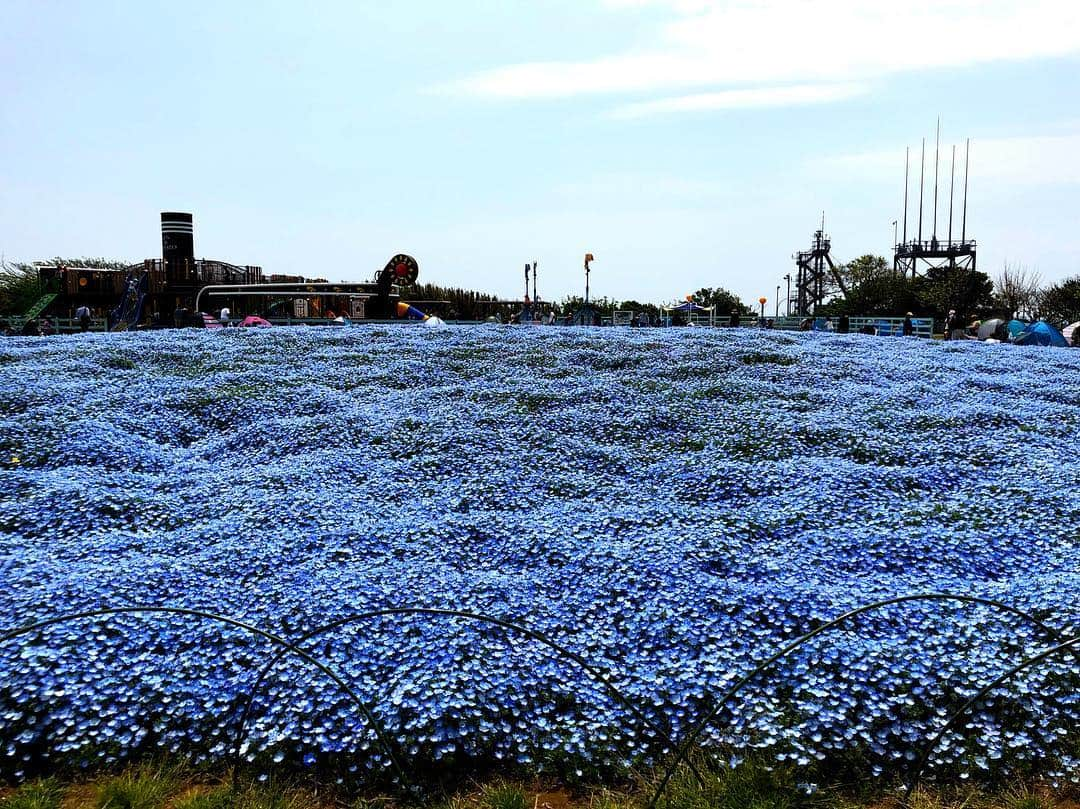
[
  {"x": 144, "y": 787},
  {"x": 118, "y": 362},
  {"x": 501, "y": 795},
  {"x": 217, "y": 798},
  {"x": 765, "y": 358},
  {"x": 45, "y": 794}
]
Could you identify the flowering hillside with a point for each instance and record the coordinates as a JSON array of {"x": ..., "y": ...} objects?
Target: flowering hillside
[{"x": 671, "y": 505}]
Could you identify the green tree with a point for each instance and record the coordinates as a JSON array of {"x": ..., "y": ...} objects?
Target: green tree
[
  {"x": 886, "y": 295},
  {"x": 91, "y": 263},
  {"x": 969, "y": 292},
  {"x": 1060, "y": 302},
  {"x": 724, "y": 301},
  {"x": 20, "y": 286},
  {"x": 455, "y": 303},
  {"x": 865, "y": 268},
  {"x": 651, "y": 309},
  {"x": 873, "y": 288}
]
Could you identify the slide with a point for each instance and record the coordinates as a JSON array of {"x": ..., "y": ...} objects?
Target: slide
[
  {"x": 128, "y": 312},
  {"x": 409, "y": 311}
]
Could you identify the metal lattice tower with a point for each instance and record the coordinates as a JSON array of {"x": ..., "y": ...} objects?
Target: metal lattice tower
[{"x": 815, "y": 274}]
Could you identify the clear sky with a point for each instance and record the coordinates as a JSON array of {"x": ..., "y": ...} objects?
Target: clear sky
[{"x": 685, "y": 143}]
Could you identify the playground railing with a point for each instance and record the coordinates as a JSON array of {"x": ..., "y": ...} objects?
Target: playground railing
[{"x": 885, "y": 326}]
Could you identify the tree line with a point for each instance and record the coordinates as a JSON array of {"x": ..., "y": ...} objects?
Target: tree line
[
  {"x": 462, "y": 304},
  {"x": 875, "y": 288}
]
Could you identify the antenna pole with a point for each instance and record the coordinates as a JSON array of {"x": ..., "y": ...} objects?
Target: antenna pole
[
  {"x": 534, "y": 282},
  {"x": 952, "y": 184},
  {"x": 907, "y": 160},
  {"x": 967, "y": 155},
  {"x": 937, "y": 156},
  {"x": 922, "y": 174}
]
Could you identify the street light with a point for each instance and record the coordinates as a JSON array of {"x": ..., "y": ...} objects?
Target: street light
[
  {"x": 787, "y": 311},
  {"x": 588, "y": 258},
  {"x": 777, "y": 315}
]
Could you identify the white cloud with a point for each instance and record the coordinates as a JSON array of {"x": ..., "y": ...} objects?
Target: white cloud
[
  {"x": 794, "y": 95},
  {"x": 733, "y": 42}
]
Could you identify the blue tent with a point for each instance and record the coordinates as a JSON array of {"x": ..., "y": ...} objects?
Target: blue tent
[
  {"x": 1040, "y": 333},
  {"x": 1015, "y": 327}
]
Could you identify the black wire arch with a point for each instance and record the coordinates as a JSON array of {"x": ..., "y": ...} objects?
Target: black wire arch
[
  {"x": 956, "y": 717},
  {"x": 695, "y": 732},
  {"x": 595, "y": 673},
  {"x": 287, "y": 647}
]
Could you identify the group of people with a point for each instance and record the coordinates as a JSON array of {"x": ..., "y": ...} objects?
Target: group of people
[{"x": 843, "y": 325}]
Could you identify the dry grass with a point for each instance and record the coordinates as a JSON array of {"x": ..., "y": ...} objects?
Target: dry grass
[{"x": 750, "y": 786}]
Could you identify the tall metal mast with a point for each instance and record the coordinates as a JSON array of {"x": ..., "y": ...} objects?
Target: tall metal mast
[
  {"x": 952, "y": 184},
  {"x": 922, "y": 175},
  {"x": 907, "y": 160},
  {"x": 937, "y": 156},
  {"x": 967, "y": 155}
]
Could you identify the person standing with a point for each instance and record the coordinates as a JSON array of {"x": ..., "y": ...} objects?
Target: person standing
[
  {"x": 224, "y": 316},
  {"x": 950, "y": 324},
  {"x": 909, "y": 326},
  {"x": 82, "y": 314}
]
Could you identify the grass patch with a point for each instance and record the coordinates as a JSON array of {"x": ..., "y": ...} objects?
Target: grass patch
[
  {"x": 748, "y": 786},
  {"x": 217, "y": 798},
  {"x": 503, "y": 795},
  {"x": 754, "y": 784},
  {"x": 118, "y": 362},
  {"x": 615, "y": 363},
  {"x": 690, "y": 444},
  {"x": 535, "y": 402},
  {"x": 766, "y": 358},
  {"x": 45, "y": 794},
  {"x": 144, "y": 787}
]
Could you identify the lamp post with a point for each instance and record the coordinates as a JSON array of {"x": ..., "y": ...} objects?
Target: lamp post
[
  {"x": 586, "y": 310},
  {"x": 588, "y": 258},
  {"x": 777, "y": 315},
  {"x": 787, "y": 311}
]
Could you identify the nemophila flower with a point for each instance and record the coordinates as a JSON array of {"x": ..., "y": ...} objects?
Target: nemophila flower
[{"x": 673, "y": 506}]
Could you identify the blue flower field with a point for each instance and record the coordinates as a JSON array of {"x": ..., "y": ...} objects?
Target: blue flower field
[{"x": 671, "y": 505}]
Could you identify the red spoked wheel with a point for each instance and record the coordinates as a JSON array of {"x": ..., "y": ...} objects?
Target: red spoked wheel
[{"x": 403, "y": 269}]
